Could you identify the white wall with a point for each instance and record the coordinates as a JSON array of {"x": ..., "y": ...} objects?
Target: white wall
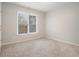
[
  {"x": 0, "y": 26},
  {"x": 9, "y": 13},
  {"x": 63, "y": 23}
]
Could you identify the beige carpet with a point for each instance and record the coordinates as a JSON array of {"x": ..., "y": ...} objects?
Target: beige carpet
[{"x": 40, "y": 48}]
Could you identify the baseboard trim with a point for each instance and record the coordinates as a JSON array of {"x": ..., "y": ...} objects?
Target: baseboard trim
[
  {"x": 19, "y": 41},
  {"x": 63, "y": 41},
  {"x": 55, "y": 38}
]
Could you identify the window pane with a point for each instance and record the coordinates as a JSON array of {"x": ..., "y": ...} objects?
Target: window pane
[
  {"x": 32, "y": 28},
  {"x": 32, "y": 23},
  {"x": 32, "y": 19},
  {"x": 22, "y": 23}
]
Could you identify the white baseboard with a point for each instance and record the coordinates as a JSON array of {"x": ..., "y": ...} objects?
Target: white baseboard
[
  {"x": 54, "y": 38},
  {"x": 19, "y": 41},
  {"x": 63, "y": 41}
]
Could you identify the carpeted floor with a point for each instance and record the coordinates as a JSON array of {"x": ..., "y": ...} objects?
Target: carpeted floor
[{"x": 40, "y": 48}]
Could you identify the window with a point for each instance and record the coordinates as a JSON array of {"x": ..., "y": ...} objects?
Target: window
[
  {"x": 26, "y": 23},
  {"x": 32, "y": 24}
]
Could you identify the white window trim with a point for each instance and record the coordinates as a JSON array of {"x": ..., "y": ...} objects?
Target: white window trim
[{"x": 26, "y": 13}]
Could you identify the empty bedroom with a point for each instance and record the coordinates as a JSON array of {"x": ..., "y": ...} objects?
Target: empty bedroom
[{"x": 39, "y": 29}]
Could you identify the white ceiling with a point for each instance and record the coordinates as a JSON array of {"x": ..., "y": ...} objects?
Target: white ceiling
[{"x": 42, "y": 6}]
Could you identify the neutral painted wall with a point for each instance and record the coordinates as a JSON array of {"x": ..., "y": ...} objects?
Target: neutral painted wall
[
  {"x": 0, "y": 26},
  {"x": 0, "y": 21},
  {"x": 9, "y": 23},
  {"x": 0, "y": 13},
  {"x": 63, "y": 23}
]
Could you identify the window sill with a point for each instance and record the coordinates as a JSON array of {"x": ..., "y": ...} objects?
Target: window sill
[{"x": 28, "y": 33}]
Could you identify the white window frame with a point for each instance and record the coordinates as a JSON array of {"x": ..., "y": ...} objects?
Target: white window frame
[{"x": 28, "y": 14}]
